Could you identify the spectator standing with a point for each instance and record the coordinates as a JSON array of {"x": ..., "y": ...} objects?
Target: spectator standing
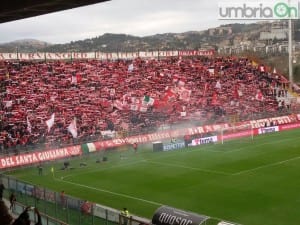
[
  {"x": 24, "y": 218},
  {"x": 1, "y": 190},
  {"x": 40, "y": 169},
  {"x": 125, "y": 216},
  {"x": 85, "y": 207},
  {"x": 63, "y": 199},
  {"x": 39, "y": 222},
  {"x": 5, "y": 216},
  {"x": 135, "y": 145},
  {"x": 187, "y": 140},
  {"x": 12, "y": 201}
]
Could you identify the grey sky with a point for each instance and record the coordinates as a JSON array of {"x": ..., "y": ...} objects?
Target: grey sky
[{"x": 136, "y": 17}]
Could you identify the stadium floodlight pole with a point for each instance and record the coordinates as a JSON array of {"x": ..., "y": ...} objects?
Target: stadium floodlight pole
[
  {"x": 290, "y": 49},
  {"x": 17, "y": 50}
]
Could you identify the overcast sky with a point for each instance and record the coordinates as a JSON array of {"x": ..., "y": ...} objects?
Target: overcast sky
[{"x": 136, "y": 17}]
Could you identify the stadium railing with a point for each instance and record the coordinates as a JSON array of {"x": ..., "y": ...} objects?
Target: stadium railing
[
  {"x": 46, "y": 219},
  {"x": 58, "y": 210}
]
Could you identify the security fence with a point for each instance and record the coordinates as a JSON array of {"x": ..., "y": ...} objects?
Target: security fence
[
  {"x": 60, "y": 209},
  {"x": 46, "y": 219}
]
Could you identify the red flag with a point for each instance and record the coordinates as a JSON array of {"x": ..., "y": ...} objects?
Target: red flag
[
  {"x": 169, "y": 94},
  {"x": 214, "y": 100},
  {"x": 78, "y": 78},
  {"x": 259, "y": 96},
  {"x": 236, "y": 93}
]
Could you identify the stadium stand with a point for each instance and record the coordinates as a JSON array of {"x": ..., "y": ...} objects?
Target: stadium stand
[{"x": 80, "y": 100}]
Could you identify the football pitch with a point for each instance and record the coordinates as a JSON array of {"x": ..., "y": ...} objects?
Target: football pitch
[{"x": 251, "y": 182}]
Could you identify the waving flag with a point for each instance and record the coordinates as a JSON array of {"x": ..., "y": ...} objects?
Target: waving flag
[
  {"x": 74, "y": 80},
  {"x": 214, "y": 100},
  {"x": 72, "y": 128},
  {"x": 184, "y": 94},
  {"x": 148, "y": 100},
  {"x": 259, "y": 96},
  {"x": 218, "y": 84},
  {"x": 169, "y": 94},
  {"x": 262, "y": 69},
  {"x": 50, "y": 122},
  {"x": 8, "y": 104},
  {"x": 130, "y": 67},
  {"x": 28, "y": 126},
  {"x": 118, "y": 104}
]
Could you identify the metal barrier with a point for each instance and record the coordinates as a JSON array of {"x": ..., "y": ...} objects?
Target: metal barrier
[
  {"x": 46, "y": 219},
  {"x": 131, "y": 220},
  {"x": 60, "y": 209}
]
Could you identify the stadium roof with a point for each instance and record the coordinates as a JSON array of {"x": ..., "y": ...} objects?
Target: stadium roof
[{"x": 19, "y": 9}]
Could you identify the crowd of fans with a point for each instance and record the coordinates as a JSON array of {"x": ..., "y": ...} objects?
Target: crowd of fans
[{"x": 137, "y": 96}]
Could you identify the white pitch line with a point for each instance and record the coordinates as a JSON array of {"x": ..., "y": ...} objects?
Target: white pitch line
[
  {"x": 111, "y": 192},
  {"x": 190, "y": 168},
  {"x": 122, "y": 195},
  {"x": 262, "y": 144},
  {"x": 266, "y": 166}
]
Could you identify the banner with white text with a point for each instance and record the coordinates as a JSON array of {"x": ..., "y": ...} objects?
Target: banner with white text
[
  {"x": 101, "y": 55},
  {"x": 38, "y": 157}
]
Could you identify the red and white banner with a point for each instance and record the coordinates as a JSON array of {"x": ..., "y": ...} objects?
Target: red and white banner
[
  {"x": 275, "y": 120},
  {"x": 47, "y": 55},
  {"x": 197, "y": 53},
  {"x": 37, "y": 157}
]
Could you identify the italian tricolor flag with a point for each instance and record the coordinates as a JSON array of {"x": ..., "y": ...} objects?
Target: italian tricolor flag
[
  {"x": 88, "y": 147},
  {"x": 148, "y": 100}
]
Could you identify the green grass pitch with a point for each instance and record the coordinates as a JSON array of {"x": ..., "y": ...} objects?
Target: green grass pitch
[{"x": 252, "y": 182}]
